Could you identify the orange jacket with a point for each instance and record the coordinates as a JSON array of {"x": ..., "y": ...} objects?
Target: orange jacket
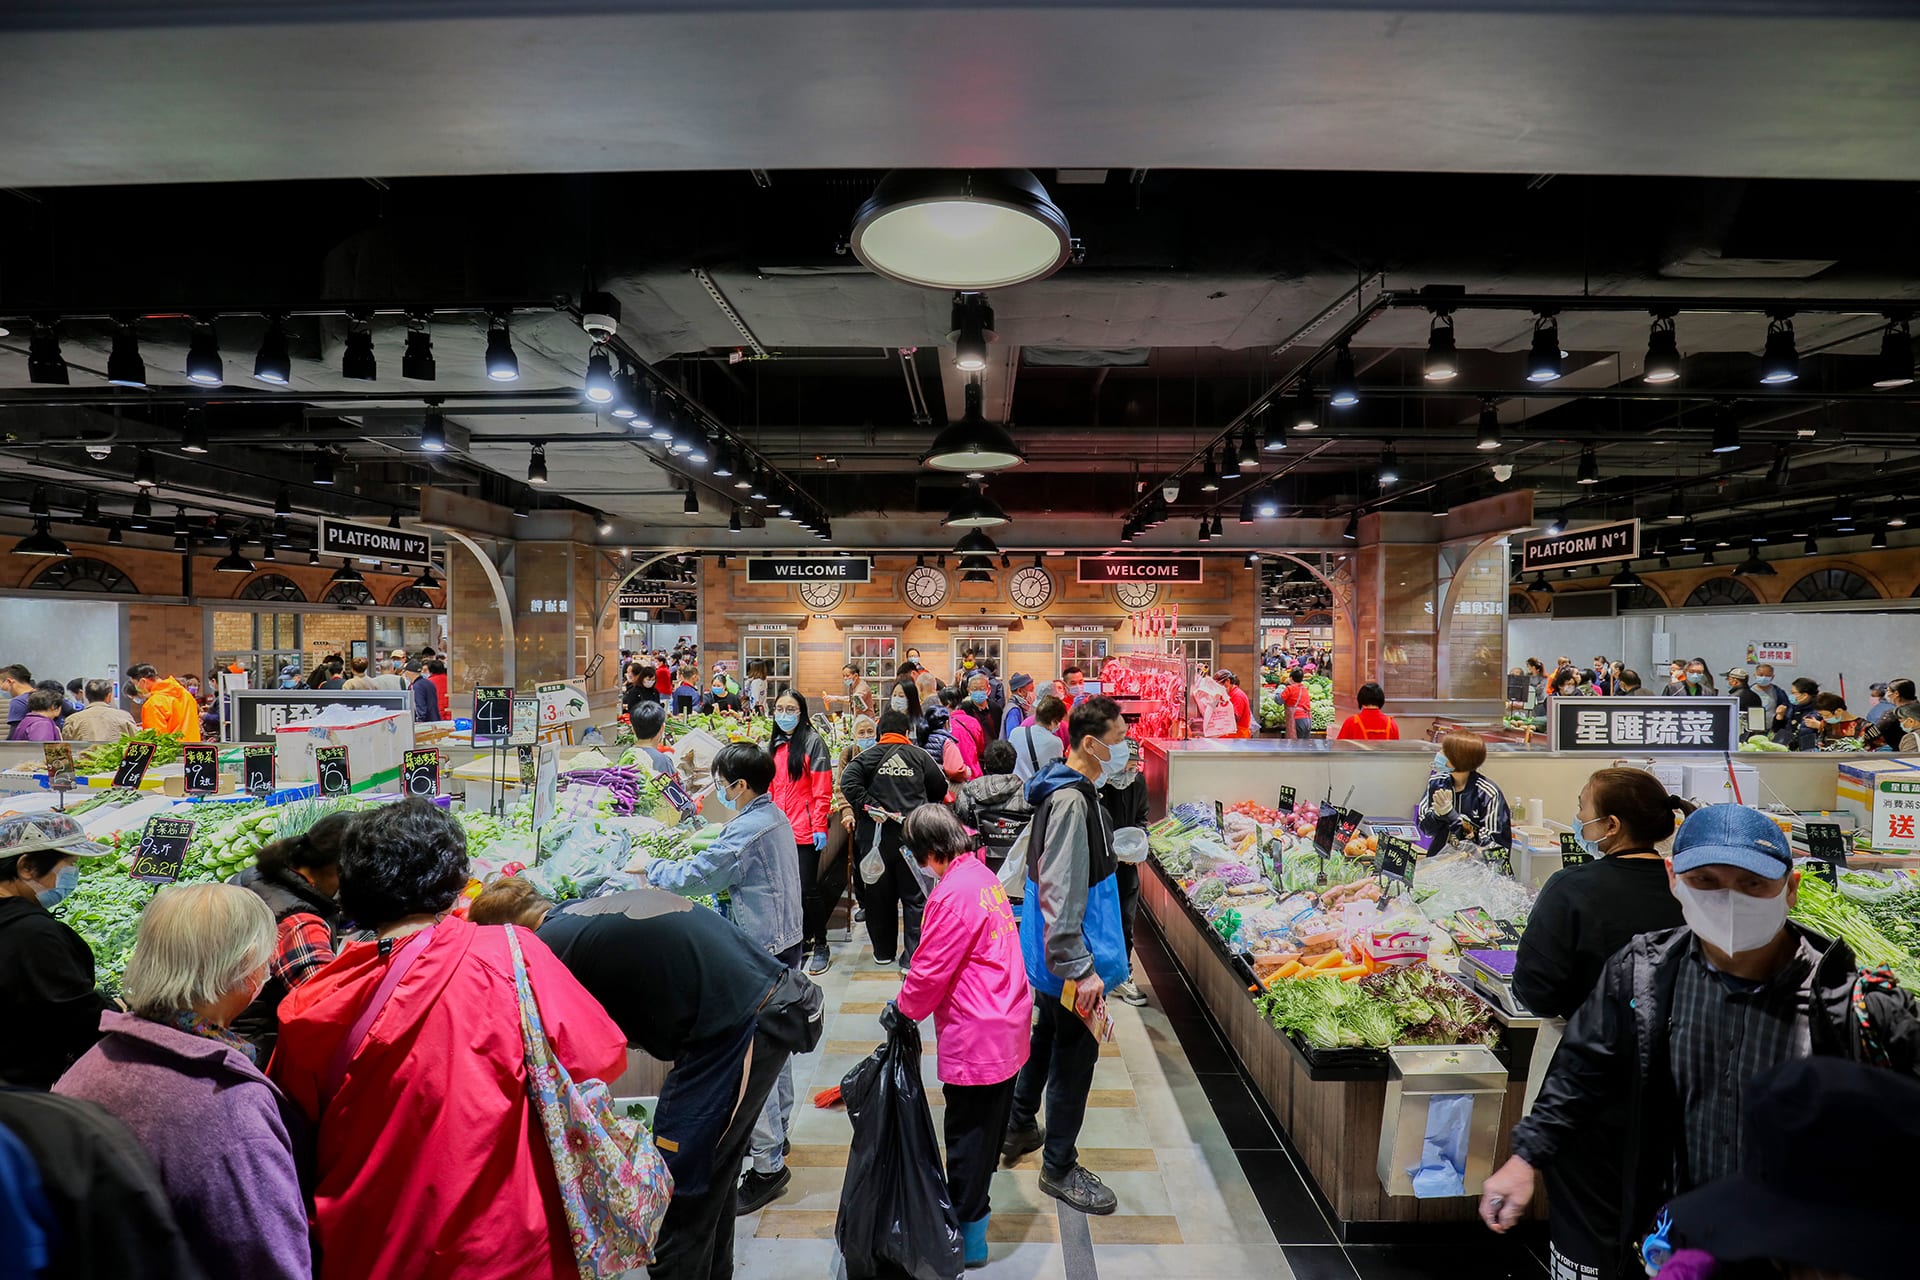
[{"x": 169, "y": 708}]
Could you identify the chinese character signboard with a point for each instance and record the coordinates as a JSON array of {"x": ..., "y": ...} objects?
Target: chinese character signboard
[
  {"x": 1896, "y": 811},
  {"x": 1644, "y": 726},
  {"x": 1777, "y": 652}
]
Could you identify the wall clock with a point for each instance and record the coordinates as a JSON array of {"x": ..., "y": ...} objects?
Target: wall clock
[
  {"x": 925, "y": 587},
  {"x": 821, "y": 595},
  {"x": 1135, "y": 596},
  {"x": 1031, "y": 589}
]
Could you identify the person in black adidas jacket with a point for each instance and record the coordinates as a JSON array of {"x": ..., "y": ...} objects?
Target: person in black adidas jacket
[
  {"x": 895, "y": 777},
  {"x": 1684, "y": 1018}
]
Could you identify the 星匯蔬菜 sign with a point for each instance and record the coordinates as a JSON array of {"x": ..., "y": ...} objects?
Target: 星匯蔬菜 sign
[
  {"x": 1643, "y": 725},
  {"x": 1111, "y": 569},
  {"x": 1595, "y": 544}
]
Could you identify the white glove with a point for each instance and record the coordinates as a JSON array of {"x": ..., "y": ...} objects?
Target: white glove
[{"x": 1443, "y": 802}]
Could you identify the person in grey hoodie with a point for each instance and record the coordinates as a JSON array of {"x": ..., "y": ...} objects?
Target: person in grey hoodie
[
  {"x": 995, "y": 803},
  {"x": 1070, "y": 931}
]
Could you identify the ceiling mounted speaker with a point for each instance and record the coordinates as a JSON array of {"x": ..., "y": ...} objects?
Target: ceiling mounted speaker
[{"x": 967, "y": 229}]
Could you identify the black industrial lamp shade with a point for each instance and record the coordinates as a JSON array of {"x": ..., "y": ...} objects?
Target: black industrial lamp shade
[
  {"x": 41, "y": 542},
  {"x": 973, "y": 444},
  {"x": 975, "y": 510},
  {"x": 961, "y": 229}
]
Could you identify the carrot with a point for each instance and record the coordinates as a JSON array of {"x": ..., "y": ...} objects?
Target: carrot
[
  {"x": 1348, "y": 973},
  {"x": 1331, "y": 960},
  {"x": 1287, "y": 970}
]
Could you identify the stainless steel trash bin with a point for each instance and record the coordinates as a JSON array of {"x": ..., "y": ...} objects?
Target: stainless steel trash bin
[{"x": 1416, "y": 1076}]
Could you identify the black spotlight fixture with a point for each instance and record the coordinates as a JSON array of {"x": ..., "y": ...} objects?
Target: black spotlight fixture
[
  {"x": 1352, "y": 531},
  {"x": 1442, "y": 360},
  {"x": 1273, "y": 438},
  {"x": 1811, "y": 546},
  {"x": 973, "y": 444},
  {"x": 142, "y": 511},
  {"x": 272, "y": 363},
  {"x": 322, "y": 467},
  {"x": 1209, "y": 475},
  {"x": 1229, "y": 460},
  {"x": 1248, "y": 507},
  {"x": 115, "y": 537},
  {"x": 691, "y": 505},
  {"x": 433, "y": 431},
  {"x": 204, "y": 366},
  {"x": 1438, "y": 504},
  {"x": 1343, "y": 390},
  {"x": 537, "y": 465},
  {"x": 1663, "y": 351},
  {"x": 143, "y": 474},
  {"x": 520, "y": 508},
  {"x": 1778, "y": 473},
  {"x": 664, "y": 426},
  {"x": 1306, "y": 409},
  {"x": 625, "y": 395},
  {"x": 603, "y": 523},
  {"x": 733, "y": 520},
  {"x": 598, "y": 385},
  {"x": 1249, "y": 456},
  {"x": 1545, "y": 360},
  {"x": 41, "y": 542},
  {"x": 1879, "y": 542},
  {"x": 313, "y": 555},
  {"x": 1127, "y": 532},
  {"x": 1219, "y": 529},
  {"x": 416, "y": 361},
  {"x": 1780, "y": 361},
  {"x": 233, "y": 561},
  {"x": 723, "y": 458},
  {"x": 1676, "y": 505},
  {"x": 1557, "y": 525},
  {"x": 1709, "y": 558},
  {"x": 1389, "y": 472},
  {"x": 1589, "y": 467},
  {"x": 358, "y": 362},
  {"x": 45, "y": 364},
  {"x": 502, "y": 364},
  {"x": 38, "y": 504},
  {"x": 193, "y": 432},
  {"x": 972, "y": 330},
  {"x": 1726, "y": 436},
  {"x": 1895, "y": 365},
  {"x": 1206, "y": 529},
  {"x": 125, "y": 368},
  {"x": 1266, "y": 504},
  {"x": 1487, "y": 439},
  {"x": 90, "y": 513}
]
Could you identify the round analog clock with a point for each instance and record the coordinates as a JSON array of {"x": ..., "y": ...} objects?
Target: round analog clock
[
  {"x": 925, "y": 587},
  {"x": 821, "y": 595},
  {"x": 1133, "y": 596},
  {"x": 1031, "y": 588}
]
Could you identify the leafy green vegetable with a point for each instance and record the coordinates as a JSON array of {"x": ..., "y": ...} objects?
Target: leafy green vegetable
[{"x": 106, "y": 757}]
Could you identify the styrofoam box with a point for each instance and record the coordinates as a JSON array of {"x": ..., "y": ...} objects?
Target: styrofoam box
[
  {"x": 374, "y": 746},
  {"x": 1708, "y": 784}
]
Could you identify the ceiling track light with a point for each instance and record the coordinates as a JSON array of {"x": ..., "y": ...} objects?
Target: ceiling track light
[
  {"x": 625, "y": 395},
  {"x": 1209, "y": 475},
  {"x": 1780, "y": 361},
  {"x": 1206, "y": 529},
  {"x": 1306, "y": 409},
  {"x": 1811, "y": 547},
  {"x": 1589, "y": 467},
  {"x": 1219, "y": 529},
  {"x": 1488, "y": 437},
  {"x": 433, "y": 431},
  {"x": 1879, "y": 542},
  {"x": 537, "y": 465},
  {"x": 1662, "y": 364},
  {"x": 598, "y": 384},
  {"x": 1248, "y": 507},
  {"x": 204, "y": 366},
  {"x": 272, "y": 363},
  {"x": 416, "y": 360},
  {"x": 1545, "y": 361},
  {"x": 972, "y": 330},
  {"x": 125, "y": 368},
  {"x": 322, "y": 467},
  {"x": 1389, "y": 472},
  {"x": 1343, "y": 390},
  {"x": 723, "y": 459},
  {"x": 1726, "y": 436},
  {"x": 1898, "y": 520},
  {"x": 357, "y": 362},
  {"x": 115, "y": 537},
  {"x": 142, "y": 511},
  {"x": 1894, "y": 367},
  {"x": 313, "y": 555},
  {"x": 193, "y": 432},
  {"x": 691, "y": 505},
  {"x": 1352, "y": 530},
  {"x": 1229, "y": 460},
  {"x": 1709, "y": 557},
  {"x": 90, "y": 513},
  {"x": 733, "y": 520},
  {"x": 1437, "y": 503},
  {"x": 502, "y": 364},
  {"x": 1442, "y": 361},
  {"x": 1249, "y": 457},
  {"x": 665, "y": 426},
  {"x": 603, "y": 523},
  {"x": 1266, "y": 504},
  {"x": 1557, "y": 525},
  {"x": 1273, "y": 439},
  {"x": 45, "y": 364},
  {"x": 37, "y": 505},
  {"x": 143, "y": 471},
  {"x": 1676, "y": 505}
]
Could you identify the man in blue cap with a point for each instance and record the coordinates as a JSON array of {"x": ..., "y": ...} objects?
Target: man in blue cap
[{"x": 1684, "y": 1019}]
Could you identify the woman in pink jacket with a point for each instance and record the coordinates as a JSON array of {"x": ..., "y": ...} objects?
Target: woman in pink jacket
[
  {"x": 969, "y": 975},
  {"x": 803, "y": 790}
]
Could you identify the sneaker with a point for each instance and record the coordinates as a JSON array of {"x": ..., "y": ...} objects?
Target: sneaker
[
  {"x": 1128, "y": 992},
  {"x": 786, "y": 1147},
  {"x": 820, "y": 962},
  {"x": 859, "y": 915},
  {"x": 879, "y": 963},
  {"x": 758, "y": 1190},
  {"x": 1080, "y": 1189},
  {"x": 1020, "y": 1140}
]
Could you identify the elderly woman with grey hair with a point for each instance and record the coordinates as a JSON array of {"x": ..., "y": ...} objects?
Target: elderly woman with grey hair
[{"x": 220, "y": 1133}]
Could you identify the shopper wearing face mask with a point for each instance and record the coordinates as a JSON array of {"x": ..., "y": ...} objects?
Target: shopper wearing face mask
[
  {"x": 299, "y": 880},
  {"x": 1460, "y": 802},
  {"x": 803, "y": 791},
  {"x": 1584, "y": 914},
  {"x": 1683, "y": 1020},
  {"x": 903, "y": 695},
  {"x": 1676, "y": 679},
  {"x": 46, "y": 970},
  {"x": 1799, "y": 724},
  {"x": 1019, "y": 705},
  {"x": 883, "y": 784}
]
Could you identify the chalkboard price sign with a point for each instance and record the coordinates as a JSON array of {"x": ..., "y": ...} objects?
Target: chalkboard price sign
[
  {"x": 200, "y": 761},
  {"x": 1396, "y": 859},
  {"x": 133, "y": 764},
  {"x": 523, "y": 726},
  {"x": 257, "y": 769},
  {"x": 1335, "y": 828},
  {"x": 529, "y": 767},
  {"x": 420, "y": 773},
  {"x": 1571, "y": 854},
  {"x": 59, "y": 766},
  {"x": 330, "y": 768},
  {"x": 162, "y": 850},
  {"x": 491, "y": 709},
  {"x": 1827, "y": 843},
  {"x": 1824, "y": 870},
  {"x": 1505, "y": 935},
  {"x": 1285, "y": 803}
]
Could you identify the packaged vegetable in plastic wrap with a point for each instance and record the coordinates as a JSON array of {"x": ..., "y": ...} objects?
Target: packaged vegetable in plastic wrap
[
  {"x": 578, "y": 859},
  {"x": 1451, "y": 882},
  {"x": 1240, "y": 828},
  {"x": 1208, "y": 854}
]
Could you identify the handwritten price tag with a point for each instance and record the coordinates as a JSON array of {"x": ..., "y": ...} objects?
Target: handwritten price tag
[
  {"x": 492, "y": 707},
  {"x": 162, "y": 850},
  {"x": 1285, "y": 803},
  {"x": 330, "y": 768},
  {"x": 200, "y": 761},
  {"x": 1827, "y": 842},
  {"x": 133, "y": 764},
  {"x": 257, "y": 766},
  {"x": 1396, "y": 859},
  {"x": 420, "y": 773},
  {"x": 1571, "y": 854},
  {"x": 529, "y": 767}
]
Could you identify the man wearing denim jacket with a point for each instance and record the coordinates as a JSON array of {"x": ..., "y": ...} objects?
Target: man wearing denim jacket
[{"x": 751, "y": 861}]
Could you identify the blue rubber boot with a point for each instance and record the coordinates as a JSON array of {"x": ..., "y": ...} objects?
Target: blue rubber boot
[{"x": 973, "y": 1236}]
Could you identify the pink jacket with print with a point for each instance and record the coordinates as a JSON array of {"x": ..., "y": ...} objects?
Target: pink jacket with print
[{"x": 967, "y": 972}]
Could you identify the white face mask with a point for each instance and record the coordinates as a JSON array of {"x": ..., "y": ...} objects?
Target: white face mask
[{"x": 1733, "y": 922}]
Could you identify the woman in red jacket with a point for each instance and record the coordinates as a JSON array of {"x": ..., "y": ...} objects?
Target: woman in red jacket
[{"x": 803, "y": 790}]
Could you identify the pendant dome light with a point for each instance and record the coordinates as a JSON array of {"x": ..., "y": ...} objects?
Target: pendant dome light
[
  {"x": 1663, "y": 352},
  {"x": 973, "y": 444},
  {"x": 961, "y": 229},
  {"x": 974, "y": 510},
  {"x": 41, "y": 542},
  {"x": 233, "y": 561}
]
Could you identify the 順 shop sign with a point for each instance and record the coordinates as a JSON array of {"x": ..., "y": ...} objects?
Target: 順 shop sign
[
  {"x": 371, "y": 542},
  {"x": 1118, "y": 569},
  {"x": 810, "y": 569},
  {"x": 1595, "y": 544}
]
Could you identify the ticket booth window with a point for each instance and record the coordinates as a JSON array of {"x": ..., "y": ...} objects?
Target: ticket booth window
[
  {"x": 874, "y": 657},
  {"x": 1089, "y": 653},
  {"x": 1195, "y": 649},
  {"x": 776, "y": 650},
  {"x": 985, "y": 648}
]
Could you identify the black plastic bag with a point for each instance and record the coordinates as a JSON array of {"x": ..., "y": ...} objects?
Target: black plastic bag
[{"x": 896, "y": 1220}]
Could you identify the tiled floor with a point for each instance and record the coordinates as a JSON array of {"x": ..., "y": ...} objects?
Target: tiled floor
[{"x": 1207, "y": 1186}]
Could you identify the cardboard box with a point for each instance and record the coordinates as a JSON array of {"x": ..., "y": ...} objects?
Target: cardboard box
[
  {"x": 177, "y": 786},
  {"x": 1855, "y": 787},
  {"x": 374, "y": 743}
]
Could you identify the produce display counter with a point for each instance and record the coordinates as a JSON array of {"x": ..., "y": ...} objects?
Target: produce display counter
[{"x": 1332, "y": 1114}]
